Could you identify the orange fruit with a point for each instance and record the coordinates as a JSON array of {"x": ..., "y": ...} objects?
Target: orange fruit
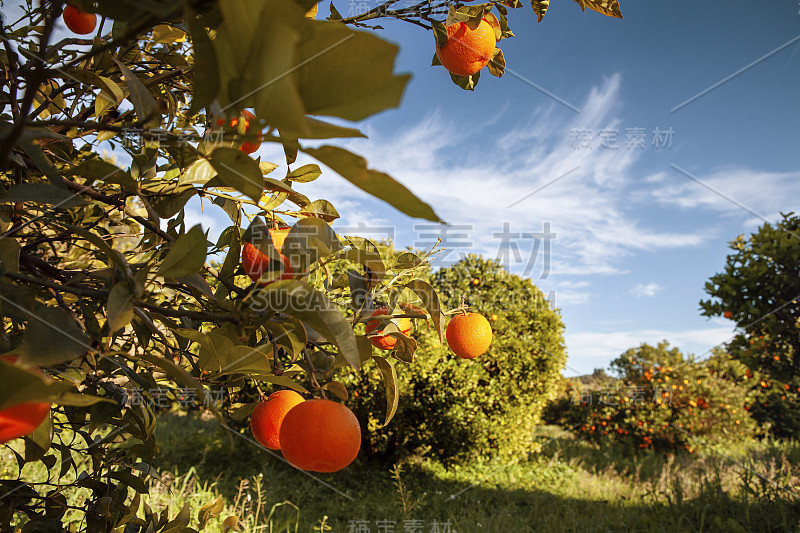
[
  {"x": 256, "y": 263},
  {"x": 727, "y": 314},
  {"x": 250, "y": 147},
  {"x": 78, "y": 21},
  {"x": 21, "y": 419},
  {"x": 469, "y": 335},
  {"x": 467, "y": 51},
  {"x": 247, "y": 117},
  {"x": 386, "y": 342},
  {"x": 267, "y": 417},
  {"x": 320, "y": 436}
]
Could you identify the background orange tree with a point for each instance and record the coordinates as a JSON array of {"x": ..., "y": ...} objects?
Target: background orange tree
[
  {"x": 103, "y": 285},
  {"x": 759, "y": 290}
]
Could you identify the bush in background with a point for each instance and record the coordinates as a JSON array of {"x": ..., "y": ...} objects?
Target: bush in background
[
  {"x": 457, "y": 410},
  {"x": 662, "y": 401}
]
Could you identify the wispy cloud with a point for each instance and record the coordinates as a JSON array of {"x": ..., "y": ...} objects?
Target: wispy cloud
[
  {"x": 589, "y": 350},
  {"x": 473, "y": 178},
  {"x": 646, "y": 290}
]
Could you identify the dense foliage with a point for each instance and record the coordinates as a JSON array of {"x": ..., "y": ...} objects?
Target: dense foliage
[
  {"x": 662, "y": 401},
  {"x": 457, "y": 410},
  {"x": 110, "y": 308},
  {"x": 759, "y": 290}
]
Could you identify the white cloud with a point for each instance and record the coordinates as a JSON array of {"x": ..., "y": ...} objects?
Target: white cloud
[
  {"x": 473, "y": 179},
  {"x": 646, "y": 290},
  {"x": 733, "y": 191},
  {"x": 589, "y": 350}
]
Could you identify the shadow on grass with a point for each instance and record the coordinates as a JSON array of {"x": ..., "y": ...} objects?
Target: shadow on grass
[{"x": 569, "y": 487}]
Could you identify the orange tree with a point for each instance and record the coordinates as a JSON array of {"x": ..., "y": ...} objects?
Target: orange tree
[
  {"x": 457, "y": 410},
  {"x": 759, "y": 290},
  {"x": 661, "y": 400},
  {"x": 105, "y": 287}
]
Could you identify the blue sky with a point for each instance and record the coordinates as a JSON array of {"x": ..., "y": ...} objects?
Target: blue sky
[{"x": 636, "y": 237}]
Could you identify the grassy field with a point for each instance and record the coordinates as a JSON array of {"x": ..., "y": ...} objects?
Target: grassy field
[{"x": 569, "y": 486}]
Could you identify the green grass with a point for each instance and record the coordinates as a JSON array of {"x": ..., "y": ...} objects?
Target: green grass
[{"x": 570, "y": 486}]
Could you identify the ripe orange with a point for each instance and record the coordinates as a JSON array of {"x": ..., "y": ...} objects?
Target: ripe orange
[
  {"x": 267, "y": 417},
  {"x": 467, "y": 51},
  {"x": 78, "y": 21},
  {"x": 386, "y": 342},
  {"x": 247, "y": 117},
  {"x": 19, "y": 420},
  {"x": 469, "y": 335},
  {"x": 727, "y": 314},
  {"x": 256, "y": 263},
  {"x": 250, "y": 147},
  {"x": 320, "y": 436}
]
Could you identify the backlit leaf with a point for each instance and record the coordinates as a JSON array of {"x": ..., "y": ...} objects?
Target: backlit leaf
[
  {"x": 186, "y": 256},
  {"x": 390, "y": 382},
  {"x": 236, "y": 169},
  {"x": 354, "y": 169}
]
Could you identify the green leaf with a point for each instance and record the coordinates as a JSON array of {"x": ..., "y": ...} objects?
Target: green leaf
[
  {"x": 9, "y": 254},
  {"x": 206, "y": 68},
  {"x": 113, "y": 255},
  {"x": 210, "y": 510},
  {"x": 468, "y": 83},
  {"x": 317, "y": 129},
  {"x": 337, "y": 389},
  {"x": 106, "y": 85},
  {"x": 240, "y": 412},
  {"x": 407, "y": 260},
  {"x": 52, "y": 337},
  {"x": 308, "y": 241},
  {"x": 304, "y": 174},
  {"x": 44, "y": 164},
  {"x": 166, "y": 34},
  {"x": 497, "y": 66},
  {"x": 609, "y": 8},
  {"x": 42, "y": 193},
  {"x": 320, "y": 209},
  {"x": 439, "y": 33},
  {"x": 119, "y": 307},
  {"x": 336, "y": 85},
  {"x": 238, "y": 170},
  {"x": 230, "y": 523},
  {"x": 334, "y": 13},
  {"x": 257, "y": 53},
  {"x": 390, "y": 382},
  {"x": 144, "y": 104},
  {"x": 281, "y": 381},
  {"x": 371, "y": 259},
  {"x": 168, "y": 205},
  {"x": 38, "y": 443},
  {"x": 97, "y": 169},
  {"x": 18, "y": 385},
  {"x": 540, "y": 8},
  {"x": 182, "y": 377},
  {"x": 247, "y": 360},
  {"x": 430, "y": 300},
  {"x": 354, "y": 169},
  {"x": 313, "y": 308},
  {"x": 133, "y": 481},
  {"x": 186, "y": 256}
]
